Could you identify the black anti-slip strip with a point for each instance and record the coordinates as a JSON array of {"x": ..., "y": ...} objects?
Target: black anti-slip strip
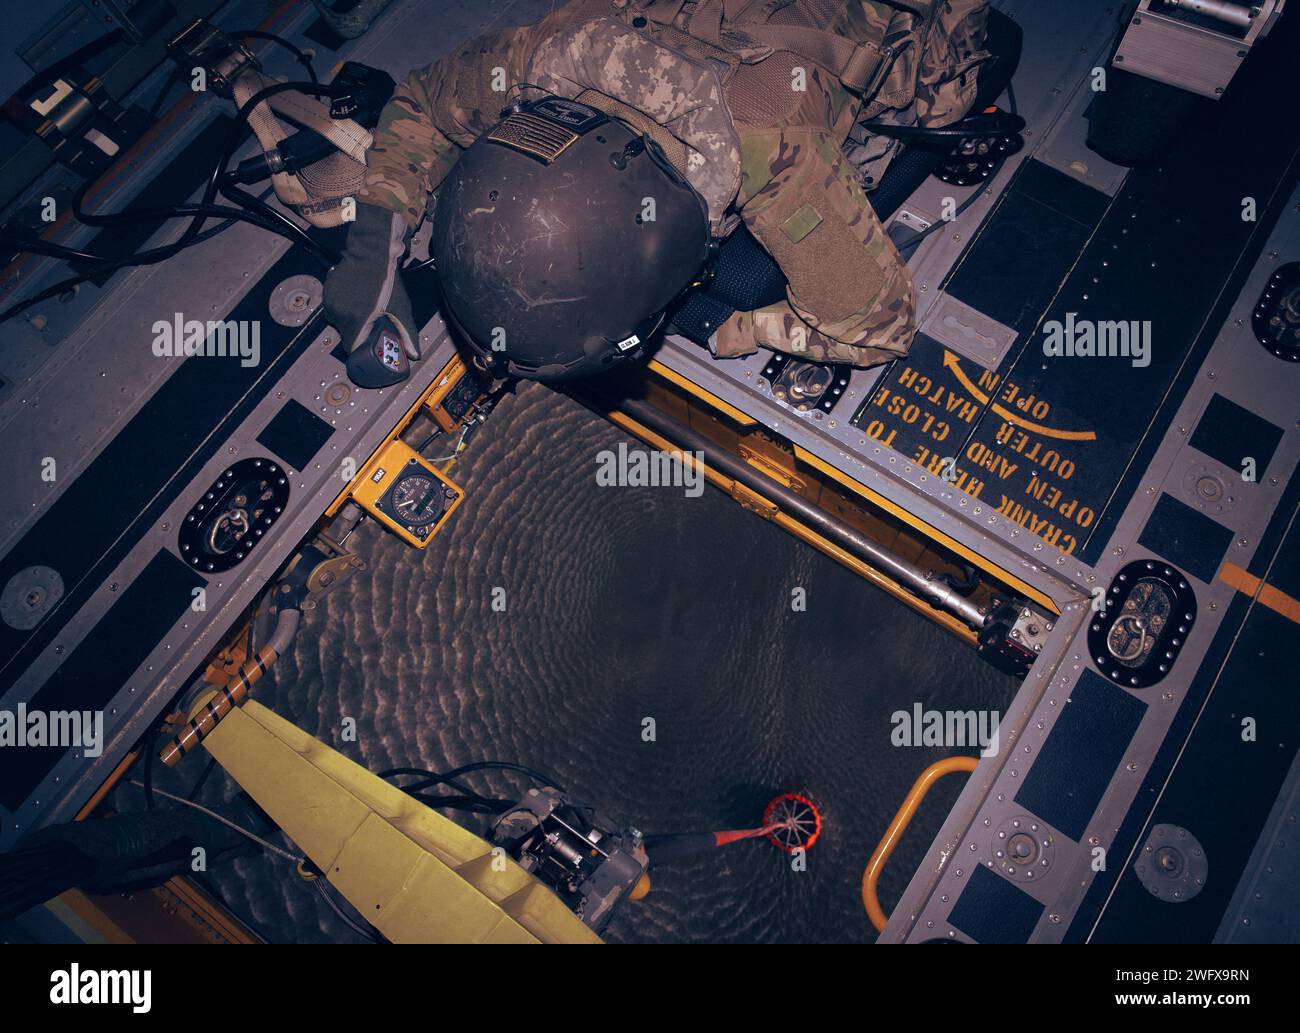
[
  {"x": 125, "y": 489},
  {"x": 993, "y": 910},
  {"x": 1253, "y": 800},
  {"x": 1186, "y": 537},
  {"x": 1027, "y": 246},
  {"x": 1248, "y": 148},
  {"x": 102, "y": 662},
  {"x": 1224, "y": 785},
  {"x": 1234, "y": 435},
  {"x": 1078, "y": 760},
  {"x": 295, "y": 434}
]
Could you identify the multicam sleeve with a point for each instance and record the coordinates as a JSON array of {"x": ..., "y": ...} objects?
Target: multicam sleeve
[
  {"x": 849, "y": 296},
  {"x": 437, "y": 112},
  {"x": 410, "y": 154}
]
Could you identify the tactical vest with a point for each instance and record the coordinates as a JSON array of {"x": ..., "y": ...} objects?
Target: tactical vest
[
  {"x": 757, "y": 42},
  {"x": 910, "y": 61}
]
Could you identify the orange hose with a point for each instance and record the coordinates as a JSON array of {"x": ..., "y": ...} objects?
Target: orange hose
[
  {"x": 222, "y": 703},
  {"x": 871, "y": 876}
]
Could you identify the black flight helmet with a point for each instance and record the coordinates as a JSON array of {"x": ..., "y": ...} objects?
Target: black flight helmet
[{"x": 560, "y": 237}]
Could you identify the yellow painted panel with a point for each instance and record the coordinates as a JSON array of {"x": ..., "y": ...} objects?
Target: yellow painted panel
[{"x": 422, "y": 870}]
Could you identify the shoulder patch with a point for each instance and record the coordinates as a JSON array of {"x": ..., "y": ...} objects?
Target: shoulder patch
[{"x": 805, "y": 219}]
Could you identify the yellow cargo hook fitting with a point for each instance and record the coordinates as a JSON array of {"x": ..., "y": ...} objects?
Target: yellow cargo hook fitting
[{"x": 902, "y": 819}]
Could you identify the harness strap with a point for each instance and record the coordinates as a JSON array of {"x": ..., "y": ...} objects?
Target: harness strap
[
  {"x": 735, "y": 26},
  {"x": 345, "y": 134},
  {"x": 859, "y": 66},
  {"x": 673, "y": 148}
]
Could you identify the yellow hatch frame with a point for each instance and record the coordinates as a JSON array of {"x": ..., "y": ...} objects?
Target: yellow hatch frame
[{"x": 717, "y": 408}]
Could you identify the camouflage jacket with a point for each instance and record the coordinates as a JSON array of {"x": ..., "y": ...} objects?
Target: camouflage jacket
[{"x": 849, "y": 294}]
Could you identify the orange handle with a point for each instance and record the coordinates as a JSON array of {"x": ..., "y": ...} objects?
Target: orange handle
[{"x": 871, "y": 876}]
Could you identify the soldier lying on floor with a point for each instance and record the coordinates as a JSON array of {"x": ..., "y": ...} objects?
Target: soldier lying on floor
[{"x": 581, "y": 172}]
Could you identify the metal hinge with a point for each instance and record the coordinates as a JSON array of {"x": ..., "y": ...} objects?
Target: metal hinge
[
  {"x": 753, "y": 501},
  {"x": 771, "y": 469}
]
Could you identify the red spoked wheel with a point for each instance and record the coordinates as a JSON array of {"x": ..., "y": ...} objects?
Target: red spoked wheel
[{"x": 792, "y": 822}]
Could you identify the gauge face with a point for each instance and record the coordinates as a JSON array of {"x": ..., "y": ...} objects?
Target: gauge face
[{"x": 417, "y": 500}]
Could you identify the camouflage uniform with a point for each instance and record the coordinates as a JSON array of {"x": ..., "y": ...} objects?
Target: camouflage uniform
[{"x": 785, "y": 155}]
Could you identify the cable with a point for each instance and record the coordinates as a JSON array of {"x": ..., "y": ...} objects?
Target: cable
[
  {"x": 303, "y": 58},
  {"x": 263, "y": 216},
  {"x": 140, "y": 258},
  {"x": 938, "y": 224},
  {"x": 425, "y": 774},
  {"x": 917, "y": 238},
  {"x": 469, "y": 800},
  {"x": 434, "y": 778},
  {"x": 460, "y": 447},
  {"x": 228, "y": 823},
  {"x": 198, "y": 785},
  {"x": 371, "y": 934},
  {"x": 956, "y": 131},
  {"x": 147, "y": 785},
  {"x": 215, "y": 184}
]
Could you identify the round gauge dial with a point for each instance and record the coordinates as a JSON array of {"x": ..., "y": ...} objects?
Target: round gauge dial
[{"x": 417, "y": 500}]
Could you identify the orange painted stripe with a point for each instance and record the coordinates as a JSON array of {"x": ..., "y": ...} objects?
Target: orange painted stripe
[
  {"x": 1281, "y": 602},
  {"x": 1242, "y": 580},
  {"x": 1266, "y": 595}
]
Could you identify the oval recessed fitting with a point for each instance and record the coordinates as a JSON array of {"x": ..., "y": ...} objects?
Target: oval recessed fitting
[
  {"x": 230, "y": 518},
  {"x": 1172, "y": 865},
  {"x": 29, "y": 596},
  {"x": 1276, "y": 319},
  {"x": 1137, "y": 635}
]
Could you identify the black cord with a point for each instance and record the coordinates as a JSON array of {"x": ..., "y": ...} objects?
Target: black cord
[
  {"x": 149, "y": 801},
  {"x": 917, "y": 238},
  {"x": 215, "y": 181},
  {"x": 367, "y": 932},
  {"x": 468, "y": 800},
  {"x": 198, "y": 785},
  {"x": 433, "y": 778},
  {"x": 474, "y": 804},
  {"x": 430, "y": 778},
  {"x": 939, "y": 224},
  {"x": 303, "y": 59},
  {"x": 263, "y": 215},
  {"x": 73, "y": 281}
]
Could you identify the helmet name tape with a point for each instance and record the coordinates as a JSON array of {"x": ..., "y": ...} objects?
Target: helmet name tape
[{"x": 568, "y": 113}]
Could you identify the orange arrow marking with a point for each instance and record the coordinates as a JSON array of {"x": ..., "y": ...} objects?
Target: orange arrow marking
[{"x": 950, "y": 361}]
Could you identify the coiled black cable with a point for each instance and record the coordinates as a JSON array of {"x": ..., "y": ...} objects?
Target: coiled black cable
[{"x": 254, "y": 211}]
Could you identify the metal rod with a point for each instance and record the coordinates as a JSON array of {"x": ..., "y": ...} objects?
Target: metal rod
[
  {"x": 922, "y": 583},
  {"x": 1234, "y": 14}
]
